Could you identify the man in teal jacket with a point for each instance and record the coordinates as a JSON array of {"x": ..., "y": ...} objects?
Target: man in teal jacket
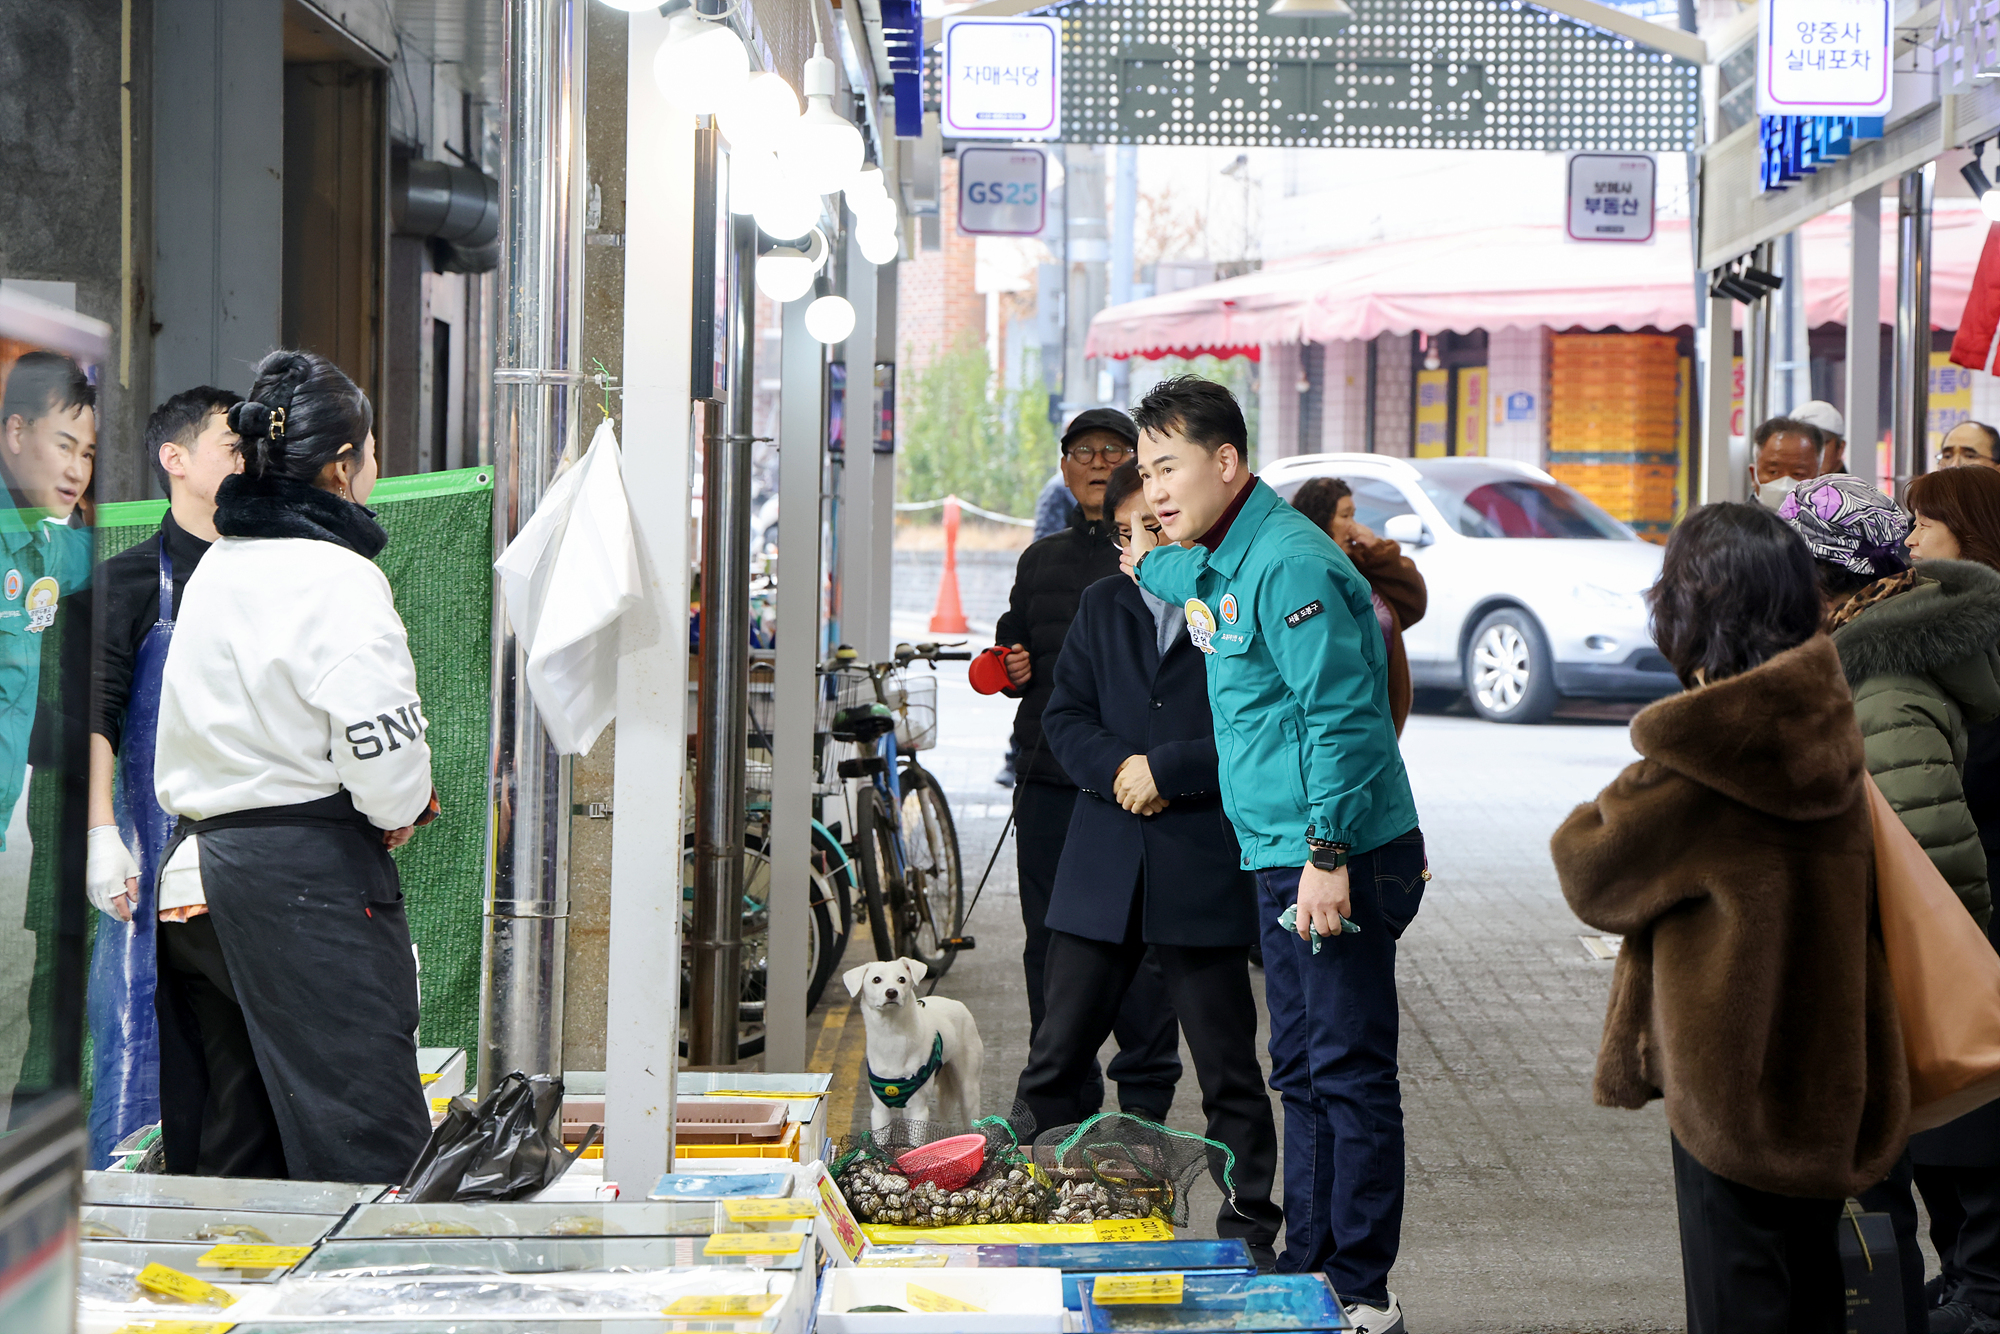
[{"x": 1315, "y": 786}]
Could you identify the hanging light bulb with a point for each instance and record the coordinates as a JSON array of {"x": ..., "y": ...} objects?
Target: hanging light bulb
[
  {"x": 762, "y": 115},
  {"x": 702, "y": 66},
  {"x": 784, "y": 273},
  {"x": 830, "y": 319},
  {"x": 630, "y": 6},
  {"x": 865, "y": 184},
  {"x": 824, "y": 150},
  {"x": 785, "y": 211},
  {"x": 878, "y": 245},
  {"x": 753, "y": 178}
]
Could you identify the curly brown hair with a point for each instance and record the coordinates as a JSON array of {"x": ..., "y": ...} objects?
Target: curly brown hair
[
  {"x": 1319, "y": 498},
  {"x": 1967, "y": 501}
]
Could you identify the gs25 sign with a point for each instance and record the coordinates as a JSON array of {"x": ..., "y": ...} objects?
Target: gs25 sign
[{"x": 1002, "y": 191}]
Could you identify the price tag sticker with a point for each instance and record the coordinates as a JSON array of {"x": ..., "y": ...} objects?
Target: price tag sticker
[
  {"x": 747, "y": 1211},
  {"x": 1137, "y": 1289},
  {"x": 1134, "y": 1229},
  {"x": 181, "y": 1287},
  {"x": 878, "y": 1259},
  {"x": 926, "y": 1300},
  {"x": 754, "y": 1243},
  {"x": 252, "y": 1257},
  {"x": 747, "y": 1304}
]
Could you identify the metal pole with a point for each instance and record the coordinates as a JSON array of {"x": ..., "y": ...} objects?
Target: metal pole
[
  {"x": 535, "y": 409},
  {"x": 725, "y": 683},
  {"x": 1721, "y": 476},
  {"x": 1757, "y": 353},
  {"x": 1124, "y": 222},
  {"x": 1864, "y": 335},
  {"x": 1910, "y": 420}
]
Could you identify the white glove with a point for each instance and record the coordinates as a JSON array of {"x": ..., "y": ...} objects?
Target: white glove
[{"x": 110, "y": 873}]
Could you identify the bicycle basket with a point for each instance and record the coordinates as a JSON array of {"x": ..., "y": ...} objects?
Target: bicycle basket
[{"x": 913, "y": 696}]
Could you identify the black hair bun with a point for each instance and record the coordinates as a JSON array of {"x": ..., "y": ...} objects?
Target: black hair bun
[{"x": 250, "y": 419}]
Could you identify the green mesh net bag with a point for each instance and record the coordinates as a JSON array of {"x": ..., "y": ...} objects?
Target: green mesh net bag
[{"x": 1117, "y": 1166}]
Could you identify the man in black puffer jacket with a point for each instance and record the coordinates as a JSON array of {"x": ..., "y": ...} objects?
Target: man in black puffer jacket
[{"x": 1048, "y": 583}]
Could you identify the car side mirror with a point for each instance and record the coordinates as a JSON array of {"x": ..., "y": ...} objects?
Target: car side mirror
[{"x": 1409, "y": 530}]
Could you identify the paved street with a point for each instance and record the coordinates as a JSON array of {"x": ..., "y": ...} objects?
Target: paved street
[{"x": 1529, "y": 1208}]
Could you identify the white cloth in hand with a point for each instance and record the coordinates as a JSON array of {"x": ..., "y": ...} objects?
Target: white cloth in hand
[{"x": 109, "y": 866}]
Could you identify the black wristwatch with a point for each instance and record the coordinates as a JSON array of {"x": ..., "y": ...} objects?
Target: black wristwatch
[{"x": 1327, "y": 856}]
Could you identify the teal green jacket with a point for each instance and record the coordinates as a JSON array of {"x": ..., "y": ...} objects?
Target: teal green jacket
[
  {"x": 1298, "y": 683},
  {"x": 42, "y": 562}
]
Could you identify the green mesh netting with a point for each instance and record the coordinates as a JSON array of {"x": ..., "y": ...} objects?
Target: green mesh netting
[{"x": 440, "y": 563}]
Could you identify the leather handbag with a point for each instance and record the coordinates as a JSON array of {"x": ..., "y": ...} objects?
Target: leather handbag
[{"x": 1945, "y": 975}]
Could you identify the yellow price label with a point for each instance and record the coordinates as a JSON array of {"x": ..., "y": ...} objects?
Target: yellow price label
[
  {"x": 754, "y": 1243},
  {"x": 431, "y": 1078},
  {"x": 751, "y": 1304},
  {"x": 174, "y": 1327},
  {"x": 1133, "y": 1229},
  {"x": 181, "y": 1287},
  {"x": 1137, "y": 1289},
  {"x": 745, "y": 1211},
  {"x": 926, "y": 1300},
  {"x": 440, "y": 1105},
  {"x": 252, "y": 1257},
  {"x": 929, "y": 1260}
]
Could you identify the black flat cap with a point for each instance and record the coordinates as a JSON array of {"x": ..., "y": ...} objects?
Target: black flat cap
[{"x": 1101, "y": 419}]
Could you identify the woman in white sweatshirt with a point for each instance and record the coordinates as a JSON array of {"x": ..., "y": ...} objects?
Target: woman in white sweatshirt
[{"x": 291, "y": 745}]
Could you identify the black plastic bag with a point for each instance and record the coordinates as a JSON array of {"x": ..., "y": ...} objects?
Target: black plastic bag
[{"x": 504, "y": 1148}]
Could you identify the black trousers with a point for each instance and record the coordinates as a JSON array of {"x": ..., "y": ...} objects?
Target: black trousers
[
  {"x": 215, "y": 1114},
  {"x": 1148, "y": 1064},
  {"x": 1753, "y": 1262},
  {"x": 1964, "y": 1204},
  {"x": 1892, "y": 1196},
  {"x": 1210, "y": 991}
]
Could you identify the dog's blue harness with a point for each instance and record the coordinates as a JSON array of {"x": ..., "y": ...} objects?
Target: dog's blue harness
[{"x": 898, "y": 1092}]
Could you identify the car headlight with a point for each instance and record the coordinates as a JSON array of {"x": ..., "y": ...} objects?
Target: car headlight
[{"x": 1609, "y": 599}]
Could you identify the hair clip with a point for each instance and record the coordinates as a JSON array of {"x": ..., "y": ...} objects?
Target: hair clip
[{"x": 277, "y": 431}]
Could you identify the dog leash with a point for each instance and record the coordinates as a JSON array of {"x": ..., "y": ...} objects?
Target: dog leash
[{"x": 1013, "y": 806}]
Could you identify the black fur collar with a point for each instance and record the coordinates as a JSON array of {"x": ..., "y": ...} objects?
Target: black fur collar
[{"x": 248, "y": 506}]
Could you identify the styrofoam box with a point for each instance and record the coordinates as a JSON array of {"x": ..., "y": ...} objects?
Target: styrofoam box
[{"x": 1011, "y": 1301}]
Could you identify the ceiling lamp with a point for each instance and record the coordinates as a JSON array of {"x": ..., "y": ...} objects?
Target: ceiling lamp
[
  {"x": 784, "y": 211},
  {"x": 785, "y": 273},
  {"x": 1982, "y": 188},
  {"x": 824, "y": 150},
  {"x": 830, "y": 319},
  {"x": 762, "y": 115},
  {"x": 702, "y": 66},
  {"x": 878, "y": 245}
]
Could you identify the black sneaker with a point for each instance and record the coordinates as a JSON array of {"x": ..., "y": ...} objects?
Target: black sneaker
[
  {"x": 1265, "y": 1258},
  {"x": 1956, "y": 1317}
]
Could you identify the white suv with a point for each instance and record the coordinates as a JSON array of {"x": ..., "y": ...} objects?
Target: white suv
[{"x": 1535, "y": 593}]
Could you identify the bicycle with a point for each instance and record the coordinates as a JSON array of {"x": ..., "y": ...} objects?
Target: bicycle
[{"x": 905, "y": 842}]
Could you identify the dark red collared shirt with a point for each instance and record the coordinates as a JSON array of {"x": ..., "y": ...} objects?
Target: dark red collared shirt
[{"x": 1220, "y": 529}]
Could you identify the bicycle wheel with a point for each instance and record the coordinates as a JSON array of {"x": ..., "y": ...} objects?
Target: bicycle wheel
[
  {"x": 756, "y": 953},
  {"x": 936, "y": 907},
  {"x": 831, "y": 860},
  {"x": 875, "y": 849}
]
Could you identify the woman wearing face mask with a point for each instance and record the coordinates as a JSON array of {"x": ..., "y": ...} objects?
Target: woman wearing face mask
[
  {"x": 1956, "y": 516},
  {"x": 1917, "y": 646},
  {"x": 291, "y": 745},
  {"x": 1397, "y": 587}
]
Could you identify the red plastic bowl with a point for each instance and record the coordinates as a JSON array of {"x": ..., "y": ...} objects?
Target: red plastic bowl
[{"x": 948, "y": 1163}]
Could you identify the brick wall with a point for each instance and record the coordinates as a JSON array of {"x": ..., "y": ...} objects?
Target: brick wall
[{"x": 935, "y": 300}]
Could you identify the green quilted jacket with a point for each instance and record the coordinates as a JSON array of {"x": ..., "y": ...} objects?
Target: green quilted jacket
[{"x": 1921, "y": 664}]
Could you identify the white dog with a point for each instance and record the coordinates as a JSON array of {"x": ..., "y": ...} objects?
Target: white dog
[{"x": 924, "y": 1052}]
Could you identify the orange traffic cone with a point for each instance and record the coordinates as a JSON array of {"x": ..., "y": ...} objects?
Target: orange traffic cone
[{"x": 948, "y": 617}]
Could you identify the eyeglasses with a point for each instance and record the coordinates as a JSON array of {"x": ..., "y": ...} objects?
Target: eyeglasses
[{"x": 1083, "y": 452}]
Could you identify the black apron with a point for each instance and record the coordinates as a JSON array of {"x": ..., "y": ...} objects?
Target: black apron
[{"x": 308, "y": 910}]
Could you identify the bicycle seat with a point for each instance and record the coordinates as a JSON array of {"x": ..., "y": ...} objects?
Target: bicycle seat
[{"x": 863, "y": 722}]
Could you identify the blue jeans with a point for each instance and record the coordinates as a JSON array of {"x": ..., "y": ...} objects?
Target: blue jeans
[{"x": 1333, "y": 1063}]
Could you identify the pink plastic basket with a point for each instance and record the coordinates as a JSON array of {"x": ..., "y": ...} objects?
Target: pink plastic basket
[{"x": 949, "y": 1163}]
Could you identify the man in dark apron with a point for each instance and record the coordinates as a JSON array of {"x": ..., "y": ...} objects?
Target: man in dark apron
[{"x": 145, "y": 1070}]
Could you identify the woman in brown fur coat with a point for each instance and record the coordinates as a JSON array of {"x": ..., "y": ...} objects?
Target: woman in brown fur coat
[{"x": 1751, "y": 993}]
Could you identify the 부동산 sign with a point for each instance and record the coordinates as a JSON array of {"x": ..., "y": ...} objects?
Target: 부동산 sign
[
  {"x": 1611, "y": 197},
  {"x": 1823, "y": 58},
  {"x": 1002, "y": 78}
]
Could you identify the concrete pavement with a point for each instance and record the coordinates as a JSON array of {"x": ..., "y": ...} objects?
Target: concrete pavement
[{"x": 1528, "y": 1208}]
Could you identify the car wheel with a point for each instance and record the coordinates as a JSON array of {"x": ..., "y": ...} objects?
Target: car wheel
[{"x": 1509, "y": 676}]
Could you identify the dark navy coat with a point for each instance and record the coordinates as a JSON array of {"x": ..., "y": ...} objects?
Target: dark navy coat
[{"x": 1115, "y": 696}]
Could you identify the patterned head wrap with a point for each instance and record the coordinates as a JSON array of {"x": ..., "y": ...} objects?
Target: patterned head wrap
[{"x": 1847, "y": 522}]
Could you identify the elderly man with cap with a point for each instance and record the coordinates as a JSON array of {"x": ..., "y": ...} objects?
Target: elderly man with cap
[
  {"x": 1833, "y": 430},
  {"x": 1048, "y": 584}
]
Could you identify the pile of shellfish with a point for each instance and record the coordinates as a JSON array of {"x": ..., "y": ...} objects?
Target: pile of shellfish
[
  {"x": 1094, "y": 1201},
  {"x": 1004, "y": 1195}
]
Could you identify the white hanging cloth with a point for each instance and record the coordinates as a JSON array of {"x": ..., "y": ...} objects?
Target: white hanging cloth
[{"x": 566, "y": 578}]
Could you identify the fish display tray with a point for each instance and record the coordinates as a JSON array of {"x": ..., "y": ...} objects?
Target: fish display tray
[
  {"x": 189, "y": 1225},
  {"x": 446, "y": 1222},
  {"x": 534, "y": 1255},
  {"x": 233, "y": 1194},
  {"x": 1254, "y": 1304},
  {"x": 721, "y": 1122},
  {"x": 182, "y": 1255},
  {"x": 722, "y": 1186}
]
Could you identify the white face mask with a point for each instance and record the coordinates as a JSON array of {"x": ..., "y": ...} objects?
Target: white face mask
[{"x": 1772, "y": 493}]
